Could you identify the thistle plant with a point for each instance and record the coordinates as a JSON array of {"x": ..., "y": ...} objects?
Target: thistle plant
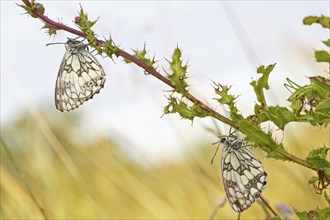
[{"x": 308, "y": 103}]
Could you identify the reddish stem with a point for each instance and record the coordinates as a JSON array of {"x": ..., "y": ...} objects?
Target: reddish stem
[{"x": 210, "y": 112}]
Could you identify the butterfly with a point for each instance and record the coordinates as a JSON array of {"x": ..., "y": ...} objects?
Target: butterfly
[
  {"x": 243, "y": 175},
  {"x": 79, "y": 78}
]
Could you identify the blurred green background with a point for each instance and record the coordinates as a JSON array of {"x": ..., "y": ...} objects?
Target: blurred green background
[{"x": 74, "y": 177}]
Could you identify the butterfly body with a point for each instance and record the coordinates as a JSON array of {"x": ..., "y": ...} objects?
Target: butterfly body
[{"x": 79, "y": 78}]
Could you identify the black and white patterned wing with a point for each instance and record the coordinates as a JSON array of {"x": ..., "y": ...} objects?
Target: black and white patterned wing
[
  {"x": 80, "y": 77},
  {"x": 243, "y": 175}
]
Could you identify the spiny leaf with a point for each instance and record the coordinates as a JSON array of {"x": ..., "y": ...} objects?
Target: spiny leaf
[
  {"x": 34, "y": 7},
  {"x": 311, "y": 102},
  {"x": 255, "y": 134},
  {"x": 322, "y": 113},
  {"x": 324, "y": 213},
  {"x": 50, "y": 29},
  {"x": 281, "y": 116},
  {"x": 317, "y": 158},
  {"x": 327, "y": 42},
  {"x": 109, "y": 48},
  {"x": 324, "y": 108},
  {"x": 322, "y": 56},
  {"x": 179, "y": 71},
  {"x": 293, "y": 88},
  {"x": 316, "y": 214},
  {"x": 83, "y": 21},
  {"x": 321, "y": 85},
  {"x": 324, "y": 21},
  {"x": 261, "y": 113},
  {"x": 303, "y": 215},
  {"x": 185, "y": 111},
  {"x": 321, "y": 89},
  {"x": 263, "y": 140},
  {"x": 223, "y": 92},
  {"x": 85, "y": 26},
  {"x": 141, "y": 55},
  {"x": 262, "y": 83},
  {"x": 227, "y": 99}
]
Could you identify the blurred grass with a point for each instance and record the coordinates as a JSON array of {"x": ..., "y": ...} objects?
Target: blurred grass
[{"x": 75, "y": 177}]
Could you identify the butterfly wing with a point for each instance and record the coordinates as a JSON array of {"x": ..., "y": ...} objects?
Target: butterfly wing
[
  {"x": 80, "y": 77},
  {"x": 243, "y": 177}
]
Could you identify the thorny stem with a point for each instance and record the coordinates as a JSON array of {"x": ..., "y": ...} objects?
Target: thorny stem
[
  {"x": 159, "y": 76},
  {"x": 295, "y": 159},
  {"x": 50, "y": 23},
  {"x": 125, "y": 55}
]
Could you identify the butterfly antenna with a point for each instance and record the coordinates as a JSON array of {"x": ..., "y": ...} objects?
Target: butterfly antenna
[
  {"x": 216, "y": 151},
  {"x": 216, "y": 127},
  {"x": 231, "y": 133},
  {"x": 53, "y": 44}
]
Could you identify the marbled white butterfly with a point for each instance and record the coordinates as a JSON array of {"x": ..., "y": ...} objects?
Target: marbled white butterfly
[
  {"x": 243, "y": 175},
  {"x": 79, "y": 78}
]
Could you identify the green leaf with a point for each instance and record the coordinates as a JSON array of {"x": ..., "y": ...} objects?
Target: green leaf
[
  {"x": 322, "y": 56},
  {"x": 109, "y": 48},
  {"x": 141, "y": 55},
  {"x": 185, "y": 111},
  {"x": 261, "y": 113},
  {"x": 324, "y": 21},
  {"x": 227, "y": 99},
  {"x": 313, "y": 179},
  {"x": 311, "y": 102},
  {"x": 303, "y": 215},
  {"x": 255, "y": 134},
  {"x": 262, "y": 83},
  {"x": 298, "y": 94},
  {"x": 34, "y": 7},
  {"x": 83, "y": 21},
  {"x": 324, "y": 213},
  {"x": 52, "y": 31},
  {"x": 324, "y": 108},
  {"x": 327, "y": 42},
  {"x": 264, "y": 140},
  {"x": 38, "y": 7},
  {"x": 317, "y": 158},
  {"x": 321, "y": 85},
  {"x": 327, "y": 173},
  {"x": 317, "y": 214},
  {"x": 281, "y": 116},
  {"x": 223, "y": 92},
  {"x": 85, "y": 26},
  {"x": 179, "y": 71}
]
